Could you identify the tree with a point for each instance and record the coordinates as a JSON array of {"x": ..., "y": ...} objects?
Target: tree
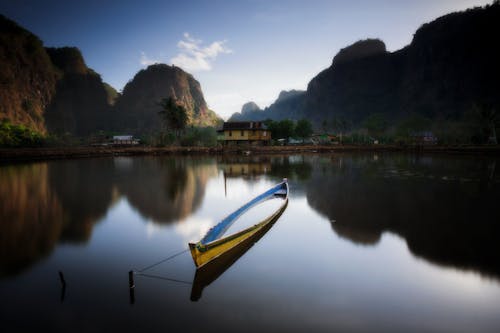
[
  {"x": 376, "y": 124},
  {"x": 281, "y": 129},
  {"x": 303, "y": 129},
  {"x": 324, "y": 126},
  {"x": 174, "y": 116},
  {"x": 483, "y": 120},
  {"x": 286, "y": 129},
  {"x": 411, "y": 124}
]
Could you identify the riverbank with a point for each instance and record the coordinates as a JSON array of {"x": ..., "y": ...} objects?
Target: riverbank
[{"x": 34, "y": 154}]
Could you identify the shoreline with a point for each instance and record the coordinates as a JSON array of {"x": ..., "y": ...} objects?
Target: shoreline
[{"x": 40, "y": 154}]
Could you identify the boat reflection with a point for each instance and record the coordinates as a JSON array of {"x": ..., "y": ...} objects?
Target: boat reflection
[{"x": 212, "y": 270}]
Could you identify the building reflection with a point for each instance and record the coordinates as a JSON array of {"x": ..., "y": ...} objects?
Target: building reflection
[{"x": 244, "y": 167}]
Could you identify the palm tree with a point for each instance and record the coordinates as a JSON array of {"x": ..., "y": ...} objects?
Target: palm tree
[{"x": 174, "y": 115}]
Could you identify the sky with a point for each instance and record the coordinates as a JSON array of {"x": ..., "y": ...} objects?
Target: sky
[{"x": 239, "y": 50}]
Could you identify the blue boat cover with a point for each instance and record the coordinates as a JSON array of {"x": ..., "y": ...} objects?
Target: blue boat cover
[{"x": 218, "y": 230}]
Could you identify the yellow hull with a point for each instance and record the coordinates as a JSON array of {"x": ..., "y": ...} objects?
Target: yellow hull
[{"x": 203, "y": 254}]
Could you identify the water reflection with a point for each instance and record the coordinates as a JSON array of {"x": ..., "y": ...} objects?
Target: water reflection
[
  {"x": 237, "y": 166},
  {"x": 443, "y": 219},
  {"x": 31, "y": 216},
  {"x": 84, "y": 189},
  {"x": 42, "y": 204},
  {"x": 444, "y": 207},
  {"x": 164, "y": 190}
]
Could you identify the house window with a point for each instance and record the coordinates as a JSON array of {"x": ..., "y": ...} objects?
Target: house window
[
  {"x": 242, "y": 133},
  {"x": 264, "y": 133},
  {"x": 230, "y": 133}
]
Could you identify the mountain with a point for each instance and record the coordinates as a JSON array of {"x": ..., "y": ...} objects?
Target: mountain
[
  {"x": 249, "y": 111},
  {"x": 287, "y": 105},
  {"x": 27, "y": 77},
  {"x": 450, "y": 65},
  {"x": 138, "y": 106},
  {"x": 52, "y": 91},
  {"x": 80, "y": 105}
]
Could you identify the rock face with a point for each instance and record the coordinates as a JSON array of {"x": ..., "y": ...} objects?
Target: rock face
[
  {"x": 451, "y": 64},
  {"x": 80, "y": 105},
  {"x": 27, "y": 78},
  {"x": 51, "y": 90},
  {"x": 360, "y": 50},
  {"x": 137, "y": 108}
]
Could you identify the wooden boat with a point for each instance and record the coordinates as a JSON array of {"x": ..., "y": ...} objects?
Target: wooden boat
[
  {"x": 211, "y": 271},
  {"x": 213, "y": 245}
]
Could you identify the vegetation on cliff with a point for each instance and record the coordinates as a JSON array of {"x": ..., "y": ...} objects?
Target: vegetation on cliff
[
  {"x": 448, "y": 72},
  {"x": 50, "y": 93},
  {"x": 27, "y": 77},
  {"x": 138, "y": 107}
]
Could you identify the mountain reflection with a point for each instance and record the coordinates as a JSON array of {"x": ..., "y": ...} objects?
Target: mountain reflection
[
  {"x": 31, "y": 216},
  {"x": 446, "y": 209},
  {"x": 164, "y": 190},
  {"x": 84, "y": 191},
  {"x": 42, "y": 204}
]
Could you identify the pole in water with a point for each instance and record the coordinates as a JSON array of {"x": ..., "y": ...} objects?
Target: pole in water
[
  {"x": 63, "y": 286},
  {"x": 131, "y": 286},
  {"x": 61, "y": 277},
  {"x": 131, "y": 283}
]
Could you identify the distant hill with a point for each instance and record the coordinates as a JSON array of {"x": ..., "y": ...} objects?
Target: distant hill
[
  {"x": 27, "y": 77},
  {"x": 451, "y": 64},
  {"x": 287, "y": 105},
  {"x": 137, "y": 108},
  {"x": 249, "y": 112}
]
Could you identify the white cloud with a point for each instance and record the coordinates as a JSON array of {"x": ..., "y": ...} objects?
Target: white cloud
[
  {"x": 193, "y": 228},
  {"x": 146, "y": 61},
  {"x": 194, "y": 56}
]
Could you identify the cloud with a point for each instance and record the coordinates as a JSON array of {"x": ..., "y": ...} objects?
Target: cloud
[
  {"x": 193, "y": 228},
  {"x": 194, "y": 56},
  {"x": 145, "y": 61}
]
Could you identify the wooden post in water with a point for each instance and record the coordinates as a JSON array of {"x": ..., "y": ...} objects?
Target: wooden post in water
[
  {"x": 61, "y": 277},
  {"x": 131, "y": 283},
  {"x": 63, "y": 286},
  {"x": 225, "y": 186},
  {"x": 131, "y": 286}
]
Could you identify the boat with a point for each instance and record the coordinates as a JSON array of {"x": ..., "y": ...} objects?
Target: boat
[
  {"x": 211, "y": 271},
  {"x": 213, "y": 245}
]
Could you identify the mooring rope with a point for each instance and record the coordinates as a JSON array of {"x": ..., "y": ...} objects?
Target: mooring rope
[
  {"x": 164, "y": 278},
  {"x": 161, "y": 261}
]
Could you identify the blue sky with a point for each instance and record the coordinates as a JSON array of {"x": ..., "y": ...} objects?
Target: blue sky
[{"x": 240, "y": 51}]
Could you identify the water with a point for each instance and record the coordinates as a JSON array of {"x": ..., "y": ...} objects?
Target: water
[{"x": 368, "y": 242}]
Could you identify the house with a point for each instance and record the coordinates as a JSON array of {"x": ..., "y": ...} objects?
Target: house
[
  {"x": 248, "y": 132},
  {"x": 125, "y": 140},
  {"x": 324, "y": 139},
  {"x": 424, "y": 138}
]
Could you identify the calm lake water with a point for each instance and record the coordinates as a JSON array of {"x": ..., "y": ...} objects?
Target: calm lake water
[{"x": 368, "y": 242}]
